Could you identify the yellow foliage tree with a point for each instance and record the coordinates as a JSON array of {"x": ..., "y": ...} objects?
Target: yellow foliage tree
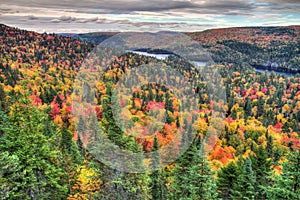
[{"x": 86, "y": 184}]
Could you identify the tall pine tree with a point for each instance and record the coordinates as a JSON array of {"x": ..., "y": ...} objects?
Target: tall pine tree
[
  {"x": 227, "y": 178},
  {"x": 244, "y": 188},
  {"x": 261, "y": 165},
  {"x": 119, "y": 184},
  {"x": 26, "y": 148},
  {"x": 192, "y": 177},
  {"x": 157, "y": 183},
  {"x": 286, "y": 185}
]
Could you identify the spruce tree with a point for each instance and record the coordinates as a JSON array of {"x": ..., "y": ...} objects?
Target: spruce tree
[
  {"x": 119, "y": 184},
  {"x": 261, "y": 165},
  {"x": 260, "y": 106},
  {"x": 286, "y": 185},
  {"x": 227, "y": 178},
  {"x": 81, "y": 131},
  {"x": 29, "y": 152},
  {"x": 2, "y": 99},
  {"x": 157, "y": 184},
  {"x": 269, "y": 145},
  {"x": 3, "y": 109},
  {"x": 66, "y": 139},
  {"x": 248, "y": 108},
  {"x": 244, "y": 187},
  {"x": 192, "y": 177}
]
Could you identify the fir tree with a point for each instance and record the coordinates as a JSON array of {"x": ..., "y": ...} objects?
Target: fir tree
[
  {"x": 227, "y": 178},
  {"x": 35, "y": 159},
  {"x": 261, "y": 165},
  {"x": 269, "y": 145},
  {"x": 66, "y": 139},
  {"x": 2, "y": 99},
  {"x": 120, "y": 184},
  {"x": 248, "y": 108},
  {"x": 286, "y": 185},
  {"x": 81, "y": 131},
  {"x": 192, "y": 176},
  {"x": 244, "y": 187},
  {"x": 157, "y": 182},
  {"x": 177, "y": 122}
]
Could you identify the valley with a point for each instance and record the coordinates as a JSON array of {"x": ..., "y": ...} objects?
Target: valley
[{"x": 47, "y": 148}]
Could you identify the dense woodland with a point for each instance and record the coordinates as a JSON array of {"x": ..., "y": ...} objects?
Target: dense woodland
[
  {"x": 43, "y": 152},
  {"x": 267, "y": 46},
  {"x": 275, "y": 48}
]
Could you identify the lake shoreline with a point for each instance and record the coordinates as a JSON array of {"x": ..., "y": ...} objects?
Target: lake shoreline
[{"x": 276, "y": 69}]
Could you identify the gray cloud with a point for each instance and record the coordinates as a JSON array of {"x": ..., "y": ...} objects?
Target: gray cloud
[
  {"x": 67, "y": 18},
  {"x": 32, "y": 17},
  {"x": 129, "y": 5},
  {"x": 122, "y": 6},
  {"x": 183, "y": 15},
  {"x": 231, "y": 7}
]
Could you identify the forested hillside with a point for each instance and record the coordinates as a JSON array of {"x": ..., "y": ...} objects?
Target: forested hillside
[
  {"x": 43, "y": 152},
  {"x": 273, "y": 48}
]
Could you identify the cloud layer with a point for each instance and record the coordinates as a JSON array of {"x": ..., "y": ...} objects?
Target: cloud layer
[{"x": 144, "y": 15}]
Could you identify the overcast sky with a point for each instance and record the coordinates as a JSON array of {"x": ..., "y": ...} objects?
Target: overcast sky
[{"x": 73, "y": 16}]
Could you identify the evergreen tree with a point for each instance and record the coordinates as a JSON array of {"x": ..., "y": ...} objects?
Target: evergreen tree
[
  {"x": 81, "y": 131},
  {"x": 2, "y": 99},
  {"x": 227, "y": 178},
  {"x": 192, "y": 176},
  {"x": 120, "y": 184},
  {"x": 28, "y": 151},
  {"x": 68, "y": 146},
  {"x": 2, "y": 107},
  {"x": 169, "y": 119},
  {"x": 177, "y": 122},
  {"x": 234, "y": 114},
  {"x": 151, "y": 95},
  {"x": 66, "y": 139},
  {"x": 157, "y": 184},
  {"x": 244, "y": 188},
  {"x": 286, "y": 127},
  {"x": 269, "y": 145},
  {"x": 295, "y": 125},
  {"x": 261, "y": 165},
  {"x": 286, "y": 185},
  {"x": 260, "y": 106},
  {"x": 248, "y": 108}
]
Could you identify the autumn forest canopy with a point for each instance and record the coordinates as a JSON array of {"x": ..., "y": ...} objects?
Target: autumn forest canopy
[{"x": 47, "y": 148}]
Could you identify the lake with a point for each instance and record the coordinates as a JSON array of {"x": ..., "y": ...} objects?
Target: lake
[
  {"x": 164, "y": 57},
  {"x": 202, "y": 63}
]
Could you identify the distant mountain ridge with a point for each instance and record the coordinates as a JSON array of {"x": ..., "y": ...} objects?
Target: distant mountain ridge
[
  {"x": 270, "y": 48},
  {"x": 276, "y": 48}
]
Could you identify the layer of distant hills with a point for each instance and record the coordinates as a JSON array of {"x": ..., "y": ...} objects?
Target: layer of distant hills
[{"x": 272, "y": 48}]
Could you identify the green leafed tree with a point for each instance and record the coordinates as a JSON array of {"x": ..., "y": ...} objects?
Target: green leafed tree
[
  {"x": 244, "y": 188},
  {"x": 286, "y": 185},
  {"x": 26, "y": 152},
  {"x": 119, "y": 184},
  {"x": 227, "y": 178},
  {"x": 192, "y": 177},
  {"x": 261, "y": 165},
  {"x": 157, "y": 183}
]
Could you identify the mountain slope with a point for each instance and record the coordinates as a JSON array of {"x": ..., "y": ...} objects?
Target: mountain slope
[{"x": 276, "y": 48}]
